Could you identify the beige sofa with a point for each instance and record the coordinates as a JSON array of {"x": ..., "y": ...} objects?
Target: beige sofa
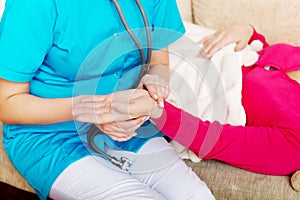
[{"x": 280, "y": 22}]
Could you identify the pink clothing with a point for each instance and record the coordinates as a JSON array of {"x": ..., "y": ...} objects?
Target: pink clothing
[{"x": 270, "y": 141}]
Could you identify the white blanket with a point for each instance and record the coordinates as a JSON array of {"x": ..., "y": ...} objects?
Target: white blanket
[{"x": 209, "y": 89}]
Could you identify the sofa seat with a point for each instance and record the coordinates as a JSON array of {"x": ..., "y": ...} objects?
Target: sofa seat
[
  {"x": 231, "y": 183},
  {"x": 8, "y": 173}
]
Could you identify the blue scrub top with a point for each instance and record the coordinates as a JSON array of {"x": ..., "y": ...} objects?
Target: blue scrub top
[{"x": 66, "y": 48}]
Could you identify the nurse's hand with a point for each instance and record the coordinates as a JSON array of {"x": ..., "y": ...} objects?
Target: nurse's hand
[
  {"x": 118, "y": 114},
  {"x": 92, "y": 109},
  {"x": 157, "y": 88},
  {"x": 239, "y": 34},
  {"x": 141, "y": 104},
  {"x": 118, "y": 106},
  {"x": 123, "y": 130}
]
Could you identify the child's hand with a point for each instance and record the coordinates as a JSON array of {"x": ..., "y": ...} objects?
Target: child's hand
[
  {"x": 239, "y": 34},
  {"x": 157, "y": 88}
]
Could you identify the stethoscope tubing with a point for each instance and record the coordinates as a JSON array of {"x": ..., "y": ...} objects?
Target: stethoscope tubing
[
  {"x": 124, "y": 163},
  {"x": 148, "y": 33},
  {"x": 145, "y": 61}
]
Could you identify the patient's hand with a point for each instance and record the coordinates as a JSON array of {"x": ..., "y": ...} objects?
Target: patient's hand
[
  {"x": 157, "y": 88},
  {"x": 239, "y": 34},
  {"x": 135, "y": 103}
]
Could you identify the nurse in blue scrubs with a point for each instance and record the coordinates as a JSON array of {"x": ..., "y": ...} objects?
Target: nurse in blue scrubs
[{"x": 54, "y": 53}]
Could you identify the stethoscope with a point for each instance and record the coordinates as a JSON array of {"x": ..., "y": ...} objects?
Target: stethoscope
[{"x": 125, "y": 163}]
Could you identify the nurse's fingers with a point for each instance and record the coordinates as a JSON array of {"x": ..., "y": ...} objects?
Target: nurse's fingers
[
  {"x": 118, "y": 106},
  {"x": 132, "y": 125},
  {"x": 102, "y": 104},
  {"x": 96, "y": 119},
  {"x": 127, "y": 127},
  {"x": 121, "y": 139},
  {"x": 93, "y": 98},
  {"x": 92, "y": 107},
  {"x": 124, "y": 96},
  {"x": 122, "y": 131},
  {"x": 102, "y": 118},
  {"x": 89, "y": 111},
  {"x": 89, "y": 104}
]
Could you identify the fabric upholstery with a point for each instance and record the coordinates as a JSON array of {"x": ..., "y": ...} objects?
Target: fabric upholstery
[
  {"x": 185, "y": 8},
  {"x": 8, "y": 173},
  {"x": 278, "y": 20},
  {"x": 231, "y": 183}
]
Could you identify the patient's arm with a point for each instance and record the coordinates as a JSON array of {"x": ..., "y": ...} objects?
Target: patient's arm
[{"x": 262, "y": 149}]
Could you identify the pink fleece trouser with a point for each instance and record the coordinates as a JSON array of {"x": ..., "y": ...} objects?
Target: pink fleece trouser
[{"x": 95, "y": 178}]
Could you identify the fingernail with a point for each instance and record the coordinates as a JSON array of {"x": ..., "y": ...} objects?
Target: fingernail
[
  {"x": 155, "y": 96},
  {"x": 161, "y": 104}
]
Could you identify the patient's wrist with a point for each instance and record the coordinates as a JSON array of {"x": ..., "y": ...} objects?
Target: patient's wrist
[{"x": 156, "y": 111}]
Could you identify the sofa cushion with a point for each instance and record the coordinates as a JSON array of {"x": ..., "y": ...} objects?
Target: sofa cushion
[
  {"x": 278, "y": 20},
  {"x": 185, "y": 8}
]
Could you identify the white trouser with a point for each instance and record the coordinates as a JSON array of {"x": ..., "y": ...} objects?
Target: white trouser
[{"x": 95, "y": 178}]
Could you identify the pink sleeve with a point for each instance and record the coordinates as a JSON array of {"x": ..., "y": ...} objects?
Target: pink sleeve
[
  {"x": 260, "y": 37},
  {"x": 268, "y": 150}
]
